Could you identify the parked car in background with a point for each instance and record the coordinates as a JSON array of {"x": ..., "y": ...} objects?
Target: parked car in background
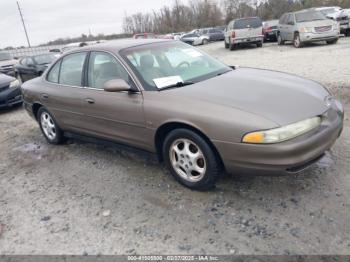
[
  {"x": 270, "y": 30},
  {"x": 213, "y": 34},
  {"x": 144, "y": 36},
  {"x": 343, "y": 18},
  {"x": 7, "y": 63},
  {"x": 307, "y": 26},
  {"x": 30, "y": 67},
  {"x": 195, "y": 39},
  {"x": 327, "y": 10},
  {"x": 244, "y": 31},
  {"x": 10, "y": 91},
  {"x": 72, "y": 46},
  {"x": 200, "y": 116}
]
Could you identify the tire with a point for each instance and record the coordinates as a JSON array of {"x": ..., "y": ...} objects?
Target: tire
[
  {"x": 332, "y": 42},
  {"x": 51, "y": 131},
  {"x": 279, "y": 40},
  {"x": 226, "y": 44},
  {"x": 205, "y": 41},
  {"x": 260, "y": 44},
  {"x": 297, "y": 42},
  {"x": 231, "y": 46},
  {"x": 190, "y": 159}
]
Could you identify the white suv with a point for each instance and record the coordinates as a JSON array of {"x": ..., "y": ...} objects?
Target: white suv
[{"x": 245, "y": 30}]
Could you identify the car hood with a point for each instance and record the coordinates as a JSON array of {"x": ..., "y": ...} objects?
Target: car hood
[
  {"x": 317, "y": 23},
  {"x": 8, "y": 62},
  {"x": 5, "y": 80},
  {"x": 278, "y": 97}
]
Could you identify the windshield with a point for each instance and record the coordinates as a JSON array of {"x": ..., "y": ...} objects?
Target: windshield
[
  {"x": 328, "y": 11},
  {"x": 247, "y": 23},
  {"x": 5, "y": 56},
  {"x": 309, "y": 16},
  {"x": 162, "y": 64},
  {"x": 45, "y": 59}
]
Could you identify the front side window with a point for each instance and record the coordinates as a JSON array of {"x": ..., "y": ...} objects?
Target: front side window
[
  {"x": 72, "y": 69},
  {"x": 104, "y": 67},
  {"x": 164, "y": 61}
]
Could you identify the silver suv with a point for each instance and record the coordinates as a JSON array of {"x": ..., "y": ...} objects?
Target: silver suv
[
  {"x": 307, "y": 26},
  {"x": 245, "y": 30}
]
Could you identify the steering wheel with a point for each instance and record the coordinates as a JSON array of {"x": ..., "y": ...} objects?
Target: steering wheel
[{"x": 183, "y": 63}]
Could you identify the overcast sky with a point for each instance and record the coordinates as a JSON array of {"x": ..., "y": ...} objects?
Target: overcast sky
[{"x": 51, "y": 19}]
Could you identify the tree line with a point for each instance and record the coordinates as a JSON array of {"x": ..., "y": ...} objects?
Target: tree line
[{"x": 182, "y": 17}]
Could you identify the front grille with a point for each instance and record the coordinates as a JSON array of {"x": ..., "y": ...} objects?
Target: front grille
[{"x": 323, "y": 29}]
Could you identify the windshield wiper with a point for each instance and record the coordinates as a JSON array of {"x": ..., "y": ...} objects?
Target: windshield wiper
[{"x": 178, "y": 84}]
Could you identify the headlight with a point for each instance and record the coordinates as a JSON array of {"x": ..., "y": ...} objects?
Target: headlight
[
  {"x": 305, "y": 30},
  {"x": 14, "y": 83},
  {"x": 282, "y": 133}
]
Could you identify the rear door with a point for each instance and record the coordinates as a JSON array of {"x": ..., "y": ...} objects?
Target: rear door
[
  {"x": 242, "y": 28},
  {"x": 62, "y": 94},
  {"x": 115, "y": 115},
  {"x": 282, "y": 27}
]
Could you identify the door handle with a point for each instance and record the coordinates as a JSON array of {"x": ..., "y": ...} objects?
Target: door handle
[
  {"x": 45, "y": 96},
  {"x": 90, "y": 101}
]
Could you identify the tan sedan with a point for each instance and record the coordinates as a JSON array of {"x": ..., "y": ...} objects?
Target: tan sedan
[{"x": 200, "y": 116}]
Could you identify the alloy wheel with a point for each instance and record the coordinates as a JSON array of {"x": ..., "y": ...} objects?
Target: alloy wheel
[
  {"x": 188, "y": 160},
  {"x": 48, "y": 126}
]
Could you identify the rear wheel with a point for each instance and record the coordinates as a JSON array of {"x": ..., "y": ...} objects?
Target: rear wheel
[
  {"x": 231, "y": 46},
  {"x": 191, "y": 160},
  {"x": 49, "y": 127},
  {"x": 260, "y": 44},
  {"x": 332, "y": 42},
  {"x": 279, "y": 40},
  {"x": 297, "y": 42}
]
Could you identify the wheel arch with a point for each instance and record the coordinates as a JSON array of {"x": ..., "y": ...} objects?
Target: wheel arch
[
  {"x": 35, "y": 108},
  {"x": 166, "y": 128}
]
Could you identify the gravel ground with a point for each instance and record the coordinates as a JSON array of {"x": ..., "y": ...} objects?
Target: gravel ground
[{"x": 83, "y": 198}]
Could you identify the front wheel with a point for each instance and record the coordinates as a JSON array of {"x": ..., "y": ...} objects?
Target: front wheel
[
  {"x": 205, "y": 41},
  {"x": 260, "y": 44},
  {"x": 191, "y": 160},
  {"x": 49, "y": 127},
  {"x": 297, "y": 42}
]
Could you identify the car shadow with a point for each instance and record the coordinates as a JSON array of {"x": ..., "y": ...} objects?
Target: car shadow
[{"x": 11, "y": 109}]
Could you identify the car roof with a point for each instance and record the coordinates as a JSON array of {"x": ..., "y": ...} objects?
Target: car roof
[{"x": 117, "y": 45}]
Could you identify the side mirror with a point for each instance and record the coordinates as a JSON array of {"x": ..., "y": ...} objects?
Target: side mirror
[{"x": 116, "y": 85}]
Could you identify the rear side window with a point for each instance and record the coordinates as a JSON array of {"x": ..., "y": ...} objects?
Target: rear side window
[
  {"x": 248, "y": 23},
  {"x": 283, "y": 19},
  {"x": 72, "y": 69},
  {"x": 54, "y": 73}
]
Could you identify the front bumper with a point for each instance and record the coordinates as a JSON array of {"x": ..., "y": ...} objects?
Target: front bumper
[
  {"x": 10, "y": 97},
  {"x": 287, "y": 157},
  {"x": 315, "y": 37}
]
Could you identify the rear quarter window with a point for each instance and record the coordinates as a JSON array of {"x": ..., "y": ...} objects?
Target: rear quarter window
[{"x": 249, "y": 22}]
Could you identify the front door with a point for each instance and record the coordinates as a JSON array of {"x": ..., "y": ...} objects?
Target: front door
[{"x": 114, "y": 115}]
